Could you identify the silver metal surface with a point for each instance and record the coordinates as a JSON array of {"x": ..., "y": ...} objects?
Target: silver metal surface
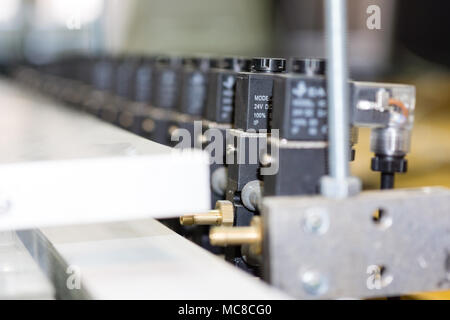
[
  {"x": 60, "y": 166},
  {"x": 20, "y": 276},
  {"x": 378, "y": 243},
  {"x": 390, "y": 141},
  {"x": 139, "y": 259}
]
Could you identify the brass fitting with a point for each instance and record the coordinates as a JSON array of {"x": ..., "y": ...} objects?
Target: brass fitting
[
  {"x": 229, "y": 236},
  {"x": 222, "y": 215}
]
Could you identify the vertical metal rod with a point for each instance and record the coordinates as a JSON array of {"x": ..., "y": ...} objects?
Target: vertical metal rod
[{"x": 338, "y": 118}]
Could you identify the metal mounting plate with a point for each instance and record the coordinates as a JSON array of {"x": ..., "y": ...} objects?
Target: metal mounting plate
[{"x": 317, "y": 247}]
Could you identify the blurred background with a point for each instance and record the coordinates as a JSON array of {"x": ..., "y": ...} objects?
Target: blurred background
[{"x": 412, "y": 46}]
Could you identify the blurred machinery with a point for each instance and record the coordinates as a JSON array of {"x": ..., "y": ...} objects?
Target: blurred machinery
[{"x": 280, "y": 135}]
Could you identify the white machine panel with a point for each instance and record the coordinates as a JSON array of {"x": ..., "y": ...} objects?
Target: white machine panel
[
  {"x": 60, "y": 166},
  {"x": 139, "y": 259}
]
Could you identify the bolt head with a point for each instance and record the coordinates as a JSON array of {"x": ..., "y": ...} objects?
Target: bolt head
[
  {"x": 314, "y": 283},
  {"x": 316, "y": 221}
]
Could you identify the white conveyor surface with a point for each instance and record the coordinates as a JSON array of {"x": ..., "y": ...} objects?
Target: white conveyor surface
[
  {"x": 139, "y": 259},
  {"x": 59, "y": 166},
  {"x": 20, "y": 275}
]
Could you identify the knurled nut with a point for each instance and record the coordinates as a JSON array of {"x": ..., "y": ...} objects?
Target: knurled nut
[
  {"x": 389, "y": 166},
  {"x": 226, "y": 209}
]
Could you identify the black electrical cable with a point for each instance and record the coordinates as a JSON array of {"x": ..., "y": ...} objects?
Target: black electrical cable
[
  {"x": 388, "y": 166},
  {"x": 387, "y": 180}
]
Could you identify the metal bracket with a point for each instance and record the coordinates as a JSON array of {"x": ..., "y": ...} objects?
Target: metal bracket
[{"x": 378, "y": 243}]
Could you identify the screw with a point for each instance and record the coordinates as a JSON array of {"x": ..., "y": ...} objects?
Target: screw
[
  {"x": 314, "y": 283},
  {"x": 316, "y": 221}
]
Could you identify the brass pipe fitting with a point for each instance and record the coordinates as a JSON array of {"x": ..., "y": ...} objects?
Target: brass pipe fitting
[
  {"x": 222, "y": 215},
  {"x": 229, "y": 236}
]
